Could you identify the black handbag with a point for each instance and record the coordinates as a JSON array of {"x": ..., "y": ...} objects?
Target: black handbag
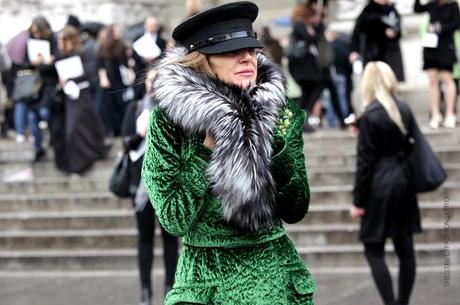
[
  {"x": 426, "y": 171},
  {"x": 27, "y": 85},
  {"x": 120, "y": 180},
  {"x": 296, "y": 49},
  {"x": 326, "y": 54}
]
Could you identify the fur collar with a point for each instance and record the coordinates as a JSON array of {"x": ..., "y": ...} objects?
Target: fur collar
[{"x": 242, "y": 123}]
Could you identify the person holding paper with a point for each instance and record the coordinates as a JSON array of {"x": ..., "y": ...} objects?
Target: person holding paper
[
  {"x": 40, "y": 54},
  {"x": 439, "y": 56},
  {"x": 78, "y": 131},
  {"x": 146, "y": 50},
  {"x": 376, "y": 36}
]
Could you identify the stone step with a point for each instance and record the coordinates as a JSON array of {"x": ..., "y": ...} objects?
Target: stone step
[
  {"x": 11, "y": 151},
  {"x": 334, "y": 194},
  {"x": 99, "y": 181},
  {"x": 433, "y": 212},
  {"x": 447, "y": 155},
  {"x": 62, "y": 202},
  {"x": 122, "y": 219},
  {"x": 95, "y": 183},
  {"x": 27, "y": 155},
  {"x": 321, "y": 175},
  {"x": 433, "y": 254},
  {"x": 325, "y": 139},
  {"x": 338, "y": 139},
  {"x": 47, "y": 169},
  {"x": 337, "y": 194},
  {"x": 302, "y": 235},
  {"x": 67, "y": 220},
  {"x": 125, "y": 259},
  {"x": 339, "y": 234}
]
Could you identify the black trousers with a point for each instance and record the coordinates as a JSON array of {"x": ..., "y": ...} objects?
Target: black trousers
[
  {"x": 404, "y": 248},
  {"x": 146, "y": 238}
]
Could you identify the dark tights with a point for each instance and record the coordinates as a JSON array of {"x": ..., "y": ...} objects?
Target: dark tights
[
  {"x": 404, "y": 248},
  {"x": 146, "y": 226}
]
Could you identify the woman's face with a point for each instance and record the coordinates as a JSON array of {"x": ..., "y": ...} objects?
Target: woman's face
[
  {"x": 64, "y": 44},
  {"x": 381, "y": 2},
  {"x": 238, "y": 68},
  {"x": 35, "y": 32}
]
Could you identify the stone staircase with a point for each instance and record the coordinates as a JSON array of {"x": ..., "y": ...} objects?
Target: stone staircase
[{"x": 54, "y": 222}]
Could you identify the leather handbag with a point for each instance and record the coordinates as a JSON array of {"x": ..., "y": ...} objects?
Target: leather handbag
[
  {"x": 120, "y": 179},
  {"x": 426, "y": 171},
  {"x": 27, "y": 85}
]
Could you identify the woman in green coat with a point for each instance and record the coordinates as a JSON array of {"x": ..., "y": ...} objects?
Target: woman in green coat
[{"x": 224, "y": 165}]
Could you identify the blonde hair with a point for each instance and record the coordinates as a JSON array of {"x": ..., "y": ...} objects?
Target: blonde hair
[
  {"x": 379, "y": 83},
  {"x": 195, "y": 60}
]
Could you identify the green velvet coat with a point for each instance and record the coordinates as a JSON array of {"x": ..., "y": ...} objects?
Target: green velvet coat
[{"x": 219, "y": 265}]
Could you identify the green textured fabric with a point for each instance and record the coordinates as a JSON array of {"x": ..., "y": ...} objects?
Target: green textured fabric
[{"x": 219, "y": 265}]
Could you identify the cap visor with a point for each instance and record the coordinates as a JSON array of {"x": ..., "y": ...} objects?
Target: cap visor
[{"x": 231, "y": 45}]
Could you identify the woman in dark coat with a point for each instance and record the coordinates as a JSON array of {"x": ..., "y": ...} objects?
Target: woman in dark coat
[
  {"x": 134, "y": 130},
  {"x": 383, "y": 195},
  {"x": 111, "y": 96},
  {"x": 77, "y": 129},
  {"x": 376, "y": 36},
  {"x": 306, "y": 69},
  {"x": 439, "y": 60}
]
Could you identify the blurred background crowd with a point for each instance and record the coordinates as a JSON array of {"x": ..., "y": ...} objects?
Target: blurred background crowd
[{"x": 320, "y": 60}]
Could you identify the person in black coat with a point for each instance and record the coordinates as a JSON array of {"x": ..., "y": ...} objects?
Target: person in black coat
[
  {"x": 439, "y": 59},
  {"x": 383, "y": 195},
  {"x": 134, "y": 129},
  {"x": 307, "y": 69},
  {"x": 114, "y": 91},
  {"x": 376, "y": 36}
]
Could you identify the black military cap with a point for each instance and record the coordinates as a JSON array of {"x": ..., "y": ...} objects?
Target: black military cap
[{"x": 222, "y": 29}]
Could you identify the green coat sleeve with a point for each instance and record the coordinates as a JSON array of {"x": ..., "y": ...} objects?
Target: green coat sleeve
[
  {"x": 173, "y": 173},
  {"x": 289, "y": 170}
]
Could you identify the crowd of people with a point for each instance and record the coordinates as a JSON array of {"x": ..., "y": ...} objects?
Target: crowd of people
[
  {"x": 226, "y": 179},
  {"x": 319, "y": 58}
]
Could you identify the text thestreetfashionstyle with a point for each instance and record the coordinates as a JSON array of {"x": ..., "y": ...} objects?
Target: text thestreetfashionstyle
[{"x": 446, "y": 239}]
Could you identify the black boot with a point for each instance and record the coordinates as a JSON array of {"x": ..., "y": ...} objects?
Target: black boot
[{"x": 146, "y": 296}]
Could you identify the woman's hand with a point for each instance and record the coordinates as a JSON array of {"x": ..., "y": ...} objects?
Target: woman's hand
[
  {"x": 104, "y": 83},
  {"x": 209, "y": 141},
  {"x": 62, "y": 82},
  {"x": 38, "y": 60},
  {"x": 390, "y": 33},
  {"x": 356, "y": 212},
  {"x": 354, "y": 56}
]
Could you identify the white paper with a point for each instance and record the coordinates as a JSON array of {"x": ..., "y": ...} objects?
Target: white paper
[
  {"x": 128, "y": 94},
  {"x": 142, "y": 122},
  {"x": 430, "y": 40},
  {"x": 69, "y": 68},
  {"x": 358, "y": 66},
  {"x": 134, "y": 155},
  {"x": 146, "y": 47},
  {"x": 37, "y": 47},
  {"x": 127, "y": 75},
  {"x": 72, "y": 90}
]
